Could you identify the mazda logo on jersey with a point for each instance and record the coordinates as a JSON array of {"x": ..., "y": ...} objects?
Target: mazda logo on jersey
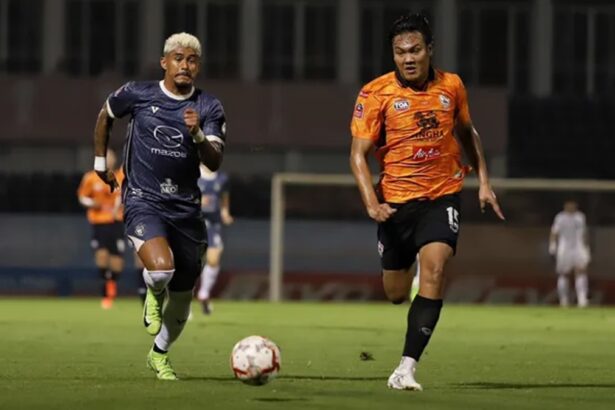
[{"x": 168, "y": 137}]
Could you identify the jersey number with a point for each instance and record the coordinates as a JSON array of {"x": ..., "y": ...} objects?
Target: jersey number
[{"x": 453, "y": 219}]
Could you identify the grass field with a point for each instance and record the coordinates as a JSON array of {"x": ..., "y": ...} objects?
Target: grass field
[{"x": 69, "y": 354}]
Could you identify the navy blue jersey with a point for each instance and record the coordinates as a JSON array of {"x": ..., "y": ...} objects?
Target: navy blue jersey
[
  {"x": 212, "y": 188},
  {"x": 161, "y": 160}
]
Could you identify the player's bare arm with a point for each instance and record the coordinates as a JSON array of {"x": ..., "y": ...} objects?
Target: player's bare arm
[
  {"x": 104, "y": 123},
  {"x": 359, "y": 151},
  {"x": 209, "y": 151},
  {"x": 225, "y": 210},
  {"x": 470, "y": 139},
  {"x": 89, "y": 202}
]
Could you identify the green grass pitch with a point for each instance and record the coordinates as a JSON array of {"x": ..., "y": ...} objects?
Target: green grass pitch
[{"x": 70, "y": 354}]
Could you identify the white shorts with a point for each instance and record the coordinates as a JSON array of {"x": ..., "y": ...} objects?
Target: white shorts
[{"x": 569, "y": 260}]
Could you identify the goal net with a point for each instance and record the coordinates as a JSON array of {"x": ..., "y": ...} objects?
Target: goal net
[{"x": 321, "y": 236}]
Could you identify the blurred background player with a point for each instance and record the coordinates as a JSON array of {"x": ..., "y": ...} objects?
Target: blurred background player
[
  {"x": 409, "y": 116},
  {"x": 138, "y": 265},
  {"x": 569, "y": 244},
  {"x": 173, "y": 128},
  {"x": 105, "y": 216},
  {"x": 216, "y": 205}
]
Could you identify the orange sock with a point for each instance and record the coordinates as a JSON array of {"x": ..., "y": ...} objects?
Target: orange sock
[{"x": 111, "y": 289}]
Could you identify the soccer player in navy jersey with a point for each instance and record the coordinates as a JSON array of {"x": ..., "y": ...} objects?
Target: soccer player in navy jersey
[
  {"x": 216, "y": 207},
  {"x": 173, "y": 128}
]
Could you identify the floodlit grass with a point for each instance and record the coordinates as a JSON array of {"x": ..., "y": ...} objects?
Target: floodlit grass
[{"x": 70, "y": 354}]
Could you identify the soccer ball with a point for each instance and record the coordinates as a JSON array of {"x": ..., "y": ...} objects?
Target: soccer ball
[{"x": 255, "y": 360}]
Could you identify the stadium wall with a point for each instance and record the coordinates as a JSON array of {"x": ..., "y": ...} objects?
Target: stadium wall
[{"x": 324, "y": 260}]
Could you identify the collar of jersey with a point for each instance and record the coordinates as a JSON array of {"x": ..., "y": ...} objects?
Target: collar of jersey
[
  {"x": 175, "y": 96},
  {"x": 431, "y": 77}
]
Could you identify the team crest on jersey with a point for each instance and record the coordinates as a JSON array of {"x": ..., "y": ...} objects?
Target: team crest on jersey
[
  {"x": 445, "y": 101},
  {"x": 401, "y": 105},
  {"x": 154, "y": 109},
  {"x": 358, "y": 111}
]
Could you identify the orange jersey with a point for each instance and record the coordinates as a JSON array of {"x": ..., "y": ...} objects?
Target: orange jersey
[
  {"x": 94, "y": 188},
  {"x": 120, "y": 176},
  {"x": 413, "y": 135}
]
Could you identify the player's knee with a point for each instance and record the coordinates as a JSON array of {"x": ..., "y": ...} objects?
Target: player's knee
[
  {"x": 432, "y": 274},
  {"x": 161, "y": 263},
  {"x": 158, "y": 279}
]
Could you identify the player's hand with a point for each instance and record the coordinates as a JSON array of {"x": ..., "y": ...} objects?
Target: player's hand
[
  {"x": 227, "y": 218},
  {"x": 487, "y": 196},
  {"x": 381, "y": 213},
  {"x": 108, "y": 178},
  {"x": 552, "y": 248},
  {"x": 192, "y": 121}
]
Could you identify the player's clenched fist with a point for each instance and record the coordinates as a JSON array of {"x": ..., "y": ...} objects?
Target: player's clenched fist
[
  {"x": 108, "y": 178},
  {"x": 191, "y": 119},
  {"x": 381, "y": 213}
]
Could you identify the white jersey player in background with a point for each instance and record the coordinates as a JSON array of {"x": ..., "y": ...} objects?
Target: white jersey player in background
[{"x": 568, "y": 243}]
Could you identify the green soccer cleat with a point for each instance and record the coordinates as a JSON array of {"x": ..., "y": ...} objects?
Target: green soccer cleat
[
  {"x": 152, "y": 312},
  {"x": 160, "y": 364}
]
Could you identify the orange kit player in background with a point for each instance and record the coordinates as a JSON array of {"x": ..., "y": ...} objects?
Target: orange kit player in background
[
  {"x": 410, "y": 117},
  {"x": 104, "y": 214},
  {"x": 119, "y": 217}
]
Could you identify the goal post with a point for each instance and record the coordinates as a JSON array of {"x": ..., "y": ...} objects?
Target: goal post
[{"x": 278, "y": 206}]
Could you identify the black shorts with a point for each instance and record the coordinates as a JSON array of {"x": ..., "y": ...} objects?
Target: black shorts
[
  {"x": 109, "y": 237},
  {"x": 415, "y": 224}
]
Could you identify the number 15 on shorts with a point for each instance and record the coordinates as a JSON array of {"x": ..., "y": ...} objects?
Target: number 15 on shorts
[{"x": 453, "y": 219}]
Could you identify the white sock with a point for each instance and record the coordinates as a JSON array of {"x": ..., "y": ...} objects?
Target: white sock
[
  {"x": 580, "y": 284},
  {"x": 208, "y": 280},
  {"x": 174, "y": 318},
  {"x": 562, "y": 290},
  {"x": 407, "y": 364},
  {"x": 157, "y": 280}
]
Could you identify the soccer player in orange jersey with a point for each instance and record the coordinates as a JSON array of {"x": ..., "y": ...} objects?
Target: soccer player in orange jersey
[
  {"x": 410, "y": 117},
  {"x": 104, "y": 214}
]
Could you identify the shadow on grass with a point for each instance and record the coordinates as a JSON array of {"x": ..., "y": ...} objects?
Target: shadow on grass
[
  {"x": 524, "y": 386},
  {"x": 279, "y": 399},
  {"x": 339, "y": 378},
  {"x": 290, "y": 377},
  {"x": 209, "y": 378}
]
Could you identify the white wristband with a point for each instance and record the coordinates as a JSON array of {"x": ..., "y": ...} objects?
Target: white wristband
[
  {"x": 199, "y": 137},
  {"x": 100, "y": 164}
]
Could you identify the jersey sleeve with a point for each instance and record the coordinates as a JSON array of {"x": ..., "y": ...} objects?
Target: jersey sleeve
[
  {"x": 367, "y": 117},
  {"x": 214, "y": 122},
  {"x": 556, "y": 227},
  {"x": 201, "y": 184},
  {"x": 122, "y": 101},
  {"x": 462, "y": 110}
]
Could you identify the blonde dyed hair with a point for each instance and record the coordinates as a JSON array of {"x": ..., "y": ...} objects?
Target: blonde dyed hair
[{"x": 183, "y": 40}]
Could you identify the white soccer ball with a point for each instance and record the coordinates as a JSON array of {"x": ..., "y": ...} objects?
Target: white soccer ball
[{"x": 255, "y": 360}]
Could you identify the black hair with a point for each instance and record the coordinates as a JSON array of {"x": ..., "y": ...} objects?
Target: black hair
[{"x": 412, "y": 22}]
